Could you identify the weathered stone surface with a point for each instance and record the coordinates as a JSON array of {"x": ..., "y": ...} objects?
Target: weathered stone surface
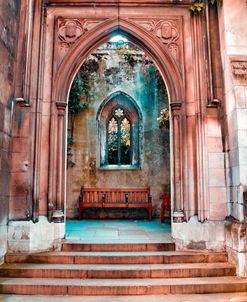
[
  {"x": 236, "y": 243},
  {"x": 25, "y": 236},
  {"x": 8, "y": 40},
  {"x": 208, "y": 235}
]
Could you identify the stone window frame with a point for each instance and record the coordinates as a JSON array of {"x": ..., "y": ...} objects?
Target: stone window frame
[
  {"x": 128, "y": 104},
  {"x": 118, "y": 120}
]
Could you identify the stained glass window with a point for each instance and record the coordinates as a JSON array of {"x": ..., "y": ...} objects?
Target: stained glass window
[{"x": 119, "y": 139}]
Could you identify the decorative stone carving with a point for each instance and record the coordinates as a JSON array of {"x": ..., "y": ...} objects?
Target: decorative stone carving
[
  {"x": 167, "y": 30},
  {"x": 69, "y": 31},
  {"x": 239, "y": 70}
]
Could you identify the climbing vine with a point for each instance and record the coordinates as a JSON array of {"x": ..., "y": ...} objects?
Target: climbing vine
[
  {"x": 75, "y": 104},
  {"x": 163, "y": 119},
  {"x": 198, "y": 7}
]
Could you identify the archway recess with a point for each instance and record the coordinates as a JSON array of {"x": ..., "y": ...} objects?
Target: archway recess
[{"x": 170, "y": 72}]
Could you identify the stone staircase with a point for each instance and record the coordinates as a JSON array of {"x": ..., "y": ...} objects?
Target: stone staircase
[{"x": 118, "y": 269}]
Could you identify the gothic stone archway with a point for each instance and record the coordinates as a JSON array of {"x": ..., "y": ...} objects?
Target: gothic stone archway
[
  {"x": 175, "y": 41},
  {"x": 167, "y": 62},
  {"x": 163, "y": 38}
]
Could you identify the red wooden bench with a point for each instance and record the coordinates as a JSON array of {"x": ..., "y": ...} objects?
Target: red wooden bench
[{"x": 115, "y": 198}]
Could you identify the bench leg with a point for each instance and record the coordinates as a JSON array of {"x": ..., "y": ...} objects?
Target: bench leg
[
  {"x": 80, "y": 213},
  {"x": 150, "y": 213}
]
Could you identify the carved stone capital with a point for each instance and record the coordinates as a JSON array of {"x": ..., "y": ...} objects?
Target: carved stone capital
[
  {"x": 61, "y": 106},
  {"x": 176, "y": 106}
]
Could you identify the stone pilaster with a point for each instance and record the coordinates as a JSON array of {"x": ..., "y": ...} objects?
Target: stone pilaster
[
  {"x": 178, "y": 213},
  {"x": 58, "y": 215}
]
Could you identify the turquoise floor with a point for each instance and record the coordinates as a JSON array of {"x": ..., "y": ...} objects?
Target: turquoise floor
[{"x": 118, "y": 231}]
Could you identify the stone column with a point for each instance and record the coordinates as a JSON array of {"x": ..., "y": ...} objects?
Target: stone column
[
  {"x": 58, "y": 215},
  {"x": 177, "y": 183}
]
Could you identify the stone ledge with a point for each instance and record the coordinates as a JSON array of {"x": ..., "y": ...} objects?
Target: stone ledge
[
  {"x": 25, "y": 236},
  {"x": 194, "y": 235}
]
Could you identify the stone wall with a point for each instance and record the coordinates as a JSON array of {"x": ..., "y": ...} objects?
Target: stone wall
[
  {"x": 233, "y": 49},
  {"x": 8, "y": 44},
  {"x": 134, "y": 74},
  {"x": 233, "y": 24}
]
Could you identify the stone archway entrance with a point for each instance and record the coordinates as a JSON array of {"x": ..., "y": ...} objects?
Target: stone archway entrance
[
  {"x": 116, "y": 140},
  {"x": 169, "y": 70},
  {"x": 175, "y": 41}
]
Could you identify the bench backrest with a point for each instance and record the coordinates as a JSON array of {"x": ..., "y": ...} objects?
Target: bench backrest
[{"x": 115, "y": 195}]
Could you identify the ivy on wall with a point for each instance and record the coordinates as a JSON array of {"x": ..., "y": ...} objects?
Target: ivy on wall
[
  {"x": 163, "y": 119},
  {"x": 198, "y": 7},
  {"x": 79, "y": 100},
  {"x": 75, "y": 104}
]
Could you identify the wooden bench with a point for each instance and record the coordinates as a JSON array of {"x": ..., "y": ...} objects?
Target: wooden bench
[{"x": 115, "y": 198}]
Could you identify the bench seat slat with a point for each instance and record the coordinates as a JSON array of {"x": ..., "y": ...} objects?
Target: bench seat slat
[{"x": 115, "y": 197}]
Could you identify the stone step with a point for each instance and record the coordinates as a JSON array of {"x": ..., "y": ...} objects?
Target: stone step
[
  {"x": 151, "y": 257},
  {"x": 225, "y": 297},
  {"x": 47, "y": 286},
  {"x": 180, "y": 270},
  {"x": 120, "y": 247}
]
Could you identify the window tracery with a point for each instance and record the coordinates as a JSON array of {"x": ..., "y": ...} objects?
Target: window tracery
[
  {"x": 119, "y": 141},
  {"x": 119, "y": 133}
]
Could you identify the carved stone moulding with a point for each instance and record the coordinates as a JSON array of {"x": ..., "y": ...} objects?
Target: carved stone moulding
[
  {"x": 69, "y": 31},
  {"x": 239, "y": 70},
  {"x": 168, "y": 30}
]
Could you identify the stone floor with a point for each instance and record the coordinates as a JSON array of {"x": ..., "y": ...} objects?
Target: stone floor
[
  {"x": 235, "y": 297},
  {"x": 118, "y": 231}
]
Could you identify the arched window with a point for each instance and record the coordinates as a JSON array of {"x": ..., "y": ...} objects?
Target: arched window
[
  {"x": 119, "y": 138},
  {"x": 119, "y": 132}
]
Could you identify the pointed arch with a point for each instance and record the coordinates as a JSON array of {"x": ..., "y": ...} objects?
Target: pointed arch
[
  {"x": 146, "y": 41},
  {"x": 119, "y": 102},
  {"x": 120, "y": 95}
]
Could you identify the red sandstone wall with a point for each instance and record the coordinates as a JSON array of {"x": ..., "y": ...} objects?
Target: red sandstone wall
[{"x": 8, "y": 45}]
